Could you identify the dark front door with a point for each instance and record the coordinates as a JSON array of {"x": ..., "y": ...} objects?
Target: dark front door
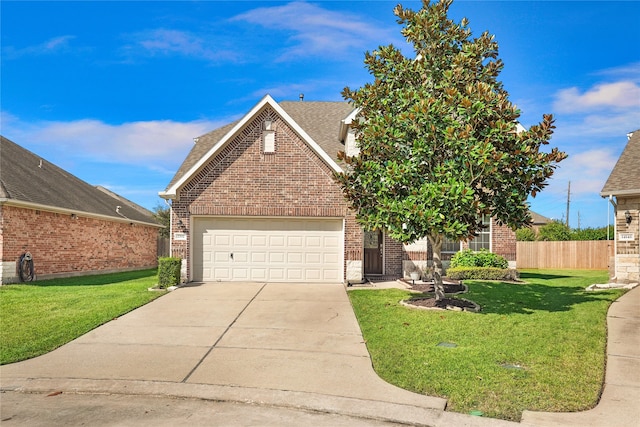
[{"x": 373, "y": 252}]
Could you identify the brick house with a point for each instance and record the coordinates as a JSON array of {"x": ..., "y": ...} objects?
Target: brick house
[
  {"x": 68, "y": 226},
  {"x": 256, "y": 200},
  {"x": 623, "y": 190}
]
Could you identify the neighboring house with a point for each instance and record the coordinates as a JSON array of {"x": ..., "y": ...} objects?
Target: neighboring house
[
  {"x": 68, "y": 226},
  {"x": 539, "y": 221},
  {"x": 623, "y": 190},
  {"x": 256, "y": 200}
]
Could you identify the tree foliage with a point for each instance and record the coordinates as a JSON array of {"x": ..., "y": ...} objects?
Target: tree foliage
[
  {"x": 556, "y": 231},
  {"x": 438, "y": 136},
  {"x": 162, "y": 214}
]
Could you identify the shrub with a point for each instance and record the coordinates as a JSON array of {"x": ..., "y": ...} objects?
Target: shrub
[
  {"x": 525, "y": 235},
  {"x": 168, "y": 271},
  {"x": 482, "y": 258},
  {"x": 593, "y": 233},
  {"x": 554, "y": 231},
  {"x": 482, "y": 273}
]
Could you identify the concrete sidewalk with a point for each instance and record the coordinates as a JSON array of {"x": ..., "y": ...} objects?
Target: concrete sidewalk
[{"x": 279, "y": 346}]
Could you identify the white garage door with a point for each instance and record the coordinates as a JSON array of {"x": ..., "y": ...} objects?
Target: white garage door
[{"x": 267, "y": 249}]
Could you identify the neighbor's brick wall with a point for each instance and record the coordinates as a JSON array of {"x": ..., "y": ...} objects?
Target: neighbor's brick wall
[
  {"x": 242, "y": 180},
  {"x": 61, "y": 244}
]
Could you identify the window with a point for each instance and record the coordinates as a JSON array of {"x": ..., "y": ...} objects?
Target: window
[
  {"x": 483, "y": 239},
  {"x": 450, "y": 246},
  {"x": 269, "y": 137}
]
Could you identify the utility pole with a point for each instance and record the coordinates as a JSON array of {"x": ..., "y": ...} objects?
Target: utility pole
[
  {"x": 578, "y": 220},
  {"x": 568, "y": 201}
]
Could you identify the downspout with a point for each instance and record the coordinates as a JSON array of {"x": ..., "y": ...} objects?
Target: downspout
[
  {"x": 170, "y": 226},
  {"x": 615, "y": 233}
]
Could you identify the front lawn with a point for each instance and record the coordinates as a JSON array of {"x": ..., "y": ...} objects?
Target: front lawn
[
  {"x": 538, "y": 345},
  {"x": 38, "y": 317}
]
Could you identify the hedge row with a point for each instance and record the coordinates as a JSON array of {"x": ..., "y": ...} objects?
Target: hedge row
[{"x": 482, "y": 273}]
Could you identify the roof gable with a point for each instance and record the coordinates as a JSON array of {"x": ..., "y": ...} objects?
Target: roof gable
[
  {"x": 312, "y": 122},
  {"x": 625, "y": 176},
  {"x": 26, "y": 178}
]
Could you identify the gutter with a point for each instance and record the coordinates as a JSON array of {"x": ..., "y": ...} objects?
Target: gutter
[{"x": 55, "y": 209}]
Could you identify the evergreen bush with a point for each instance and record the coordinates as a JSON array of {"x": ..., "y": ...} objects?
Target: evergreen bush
[
  {"x": 482, "y": 273},
  {"x": 168, "y": 271},
  {"x": 481, "y": 258}
]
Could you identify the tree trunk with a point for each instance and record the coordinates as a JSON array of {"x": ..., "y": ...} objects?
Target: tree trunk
[{"x": 436, "y": 247}]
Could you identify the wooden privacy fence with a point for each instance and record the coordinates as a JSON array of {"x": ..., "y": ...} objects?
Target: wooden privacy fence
[
  {"x": 163, "y": 246},
  {"x": 583, "y": 254}
]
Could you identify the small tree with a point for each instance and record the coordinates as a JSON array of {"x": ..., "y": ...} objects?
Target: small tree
[
  {"x": 438, "y": 138},
  {"x": 162, "y": 214}
]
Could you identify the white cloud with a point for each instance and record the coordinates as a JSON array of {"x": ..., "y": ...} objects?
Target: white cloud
[
  {"x": 587, "y": 171},
  {"x": 54, "y": 45},
  {"x": 618, "y": 95},
  {"x": 158, "y": 145},
  {"x": 316, "y": 31},
  {"x": 167, "y": 42}
]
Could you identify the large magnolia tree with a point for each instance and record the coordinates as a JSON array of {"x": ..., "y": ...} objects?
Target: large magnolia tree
[{"x": 439, "y": 139}]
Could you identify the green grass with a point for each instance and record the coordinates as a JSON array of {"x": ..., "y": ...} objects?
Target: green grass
[
  {"x": 38, "y": 317},
  {"x": 549, "y": 326}
]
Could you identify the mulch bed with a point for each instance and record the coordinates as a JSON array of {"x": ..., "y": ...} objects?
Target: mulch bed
[
  {"x": 446, "y": 303},
  {"x": 449, "y": 287}
]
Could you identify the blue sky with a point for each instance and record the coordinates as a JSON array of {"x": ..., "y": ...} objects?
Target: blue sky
[{"x": 115, "y": 92}]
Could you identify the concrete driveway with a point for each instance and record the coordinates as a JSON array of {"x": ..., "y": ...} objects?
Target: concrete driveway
[{"x": 287, "y": 345}]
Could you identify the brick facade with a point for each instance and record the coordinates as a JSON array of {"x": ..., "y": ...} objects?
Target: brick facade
[
  {"x": 627, "y": 262},
  {"x": 243, "y": 180},
  {"x": 65, "y": 246},
  {"x": 503, "y": 241}
]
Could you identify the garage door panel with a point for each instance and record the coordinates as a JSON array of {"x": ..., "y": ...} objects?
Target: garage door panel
[
  {"x": 259, "y": 241},
  {"x": 295, "y": 242},
  {"x": 277, "y": 241},
  {"x": 219, "y": 240},
  {"x": 313, "y": 241},
  {"x": 259, "y": 257},
  {"x": 275, "y": 249},
  {"x": 217, "y": 256},
  {"x": 276, "y": 274},
  {"x": 240, "y": 240}
]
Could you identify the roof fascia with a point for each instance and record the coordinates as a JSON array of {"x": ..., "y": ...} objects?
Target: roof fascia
[
  {"x": 620, "y": 193},
  {"x": 172, "y": 192},
  {"x": 37, "y": 206}
]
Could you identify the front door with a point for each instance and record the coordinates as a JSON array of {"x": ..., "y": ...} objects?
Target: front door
[{"x": 373, "y": 252}]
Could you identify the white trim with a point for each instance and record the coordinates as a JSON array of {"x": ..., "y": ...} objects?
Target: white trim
[
  {"x": 267, "y": 100},
  {"x": 344, "y": 124},
  {"x": 65, "y": 211}
]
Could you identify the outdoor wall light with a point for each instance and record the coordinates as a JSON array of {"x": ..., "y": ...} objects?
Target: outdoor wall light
[
  {"x": 628, "y": 217},
  {"x": 74, "y": 216}
]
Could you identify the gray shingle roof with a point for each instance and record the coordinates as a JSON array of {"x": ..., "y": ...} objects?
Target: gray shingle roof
[
  {"x": 625, "y": 176},
  {"x": 200, "y": 148},
  {"x": 27, "y": 177},
  {"x": 319, "y": 119}
]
